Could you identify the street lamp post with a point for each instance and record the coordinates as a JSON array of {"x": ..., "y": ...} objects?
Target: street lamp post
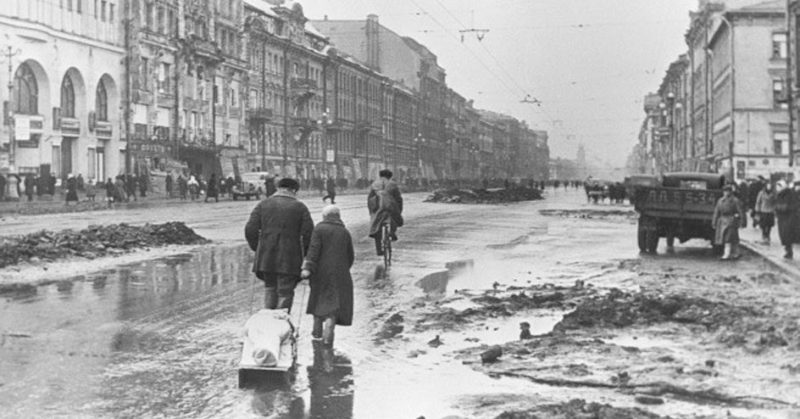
[
  {"x": 419, "y": 141},
  {"x": 324, "y": 122}
]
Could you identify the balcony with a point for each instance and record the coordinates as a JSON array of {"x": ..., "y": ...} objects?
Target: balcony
[
  {"x": 304, "y": 123},
  {"x": 103, "y": 129},
  {"x": 259, "y": 115},
  {"x": 302, "y": 90},
  {"x": 303, "y": 84}
]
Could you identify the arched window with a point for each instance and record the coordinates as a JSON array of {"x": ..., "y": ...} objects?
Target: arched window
[
  {"x": 67, "y": 98},
  {"x": 101, "y": 102},
  {"x": 26, "y": 91}
]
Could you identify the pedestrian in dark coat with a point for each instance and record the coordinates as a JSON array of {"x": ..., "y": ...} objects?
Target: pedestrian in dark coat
[
  {"x": 183, "y": 187},
  {"x": 212, "y": 189},
  {"x": 29, "y": 186},
  {"x": 72, "y": 189},
  {"x": 142, "y": 180},
  {"x": 2, "y": 187},
  {"x": 168, "y": 185},
  {"x": 765, "y": 211},
  {"x": 269, "y": 185},
  {"x": 130, "y": 186},
  {"x": 787, "y": 205},
  {"x": 327, "y": 265},
  {"x": 330, "y": 187},
  {"x": 279, "y": 231},
  {"x": 728, "y": 216},
  {"x": 110, "y": 192}
]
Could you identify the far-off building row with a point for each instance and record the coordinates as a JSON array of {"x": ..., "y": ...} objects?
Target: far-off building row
[
  {"x": 103, "y": 87},
  {"x": 722, "y": 106}
]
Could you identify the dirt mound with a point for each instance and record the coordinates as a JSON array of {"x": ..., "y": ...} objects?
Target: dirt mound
[
  {"x": 483, "y": 196},
  {"x": 620, "y": 309},
  {"x": 491, "y": 304},
  {"x": 579, "y": 408},
  {"x": 92, "y": 242},
  {"x": 589, "y": 214}
]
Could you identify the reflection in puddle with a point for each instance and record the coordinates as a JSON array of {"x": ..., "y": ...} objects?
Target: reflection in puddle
[{"x": 435, "y": 285}]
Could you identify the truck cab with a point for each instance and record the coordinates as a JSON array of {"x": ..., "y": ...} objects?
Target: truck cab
[{"x": 681, "y": 205}]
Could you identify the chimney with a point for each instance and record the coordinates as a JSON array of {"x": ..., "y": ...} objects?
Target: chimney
[{"x": 373, "y": 42}]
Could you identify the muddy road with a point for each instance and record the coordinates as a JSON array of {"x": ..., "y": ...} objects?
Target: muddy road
[{"x": 679, "y": 335}]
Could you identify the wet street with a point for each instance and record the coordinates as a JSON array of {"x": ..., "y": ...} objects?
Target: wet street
[{"x": 160, "y": 337}]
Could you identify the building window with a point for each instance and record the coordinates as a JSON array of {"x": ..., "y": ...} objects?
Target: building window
[
  {"x": 779, "y": 143},
  {"x": 778, "y": 93},
  {"x": 103, "y": 5},
  {"x": 111, "y": 12},
  {"x": 78, "y": 6},
  {"x": 26, "y": 91},
  {"x": 101, "y": 102},
  {"x": 148, "y": 16},
  {"x": 144, "y": 74},
  {"x": 779, "y": 46},
  {"x": 67, "y": 97},
  {"x": 232, "y": 96},
  {"x": 163, "y": 78},
  {"x": 161, "y": 28}
]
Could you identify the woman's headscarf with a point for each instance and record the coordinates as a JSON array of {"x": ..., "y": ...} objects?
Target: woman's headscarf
[{"x": 331, "y": 213}]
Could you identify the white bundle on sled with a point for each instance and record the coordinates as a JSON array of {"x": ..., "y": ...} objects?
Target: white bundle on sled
[{"x": 268, "y": 340}]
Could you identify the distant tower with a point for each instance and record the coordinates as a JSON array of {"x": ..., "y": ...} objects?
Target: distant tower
[{"x": 581, "y": 161}]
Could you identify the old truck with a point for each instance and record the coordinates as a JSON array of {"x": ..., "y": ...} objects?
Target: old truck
[{"x": 680, "y": 206}]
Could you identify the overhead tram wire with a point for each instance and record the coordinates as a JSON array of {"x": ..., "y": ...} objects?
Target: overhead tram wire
[
  {"x": 476, "y": 56},
  {"x": 497, "y": 62}
]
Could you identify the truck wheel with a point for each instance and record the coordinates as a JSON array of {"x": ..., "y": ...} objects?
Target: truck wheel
[
  {"x": 642, "y": 239},
  {"x": 652, "y": 241}
]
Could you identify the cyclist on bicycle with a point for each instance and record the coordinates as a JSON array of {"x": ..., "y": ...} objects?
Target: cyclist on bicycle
[{"x": 385, "y": 204}]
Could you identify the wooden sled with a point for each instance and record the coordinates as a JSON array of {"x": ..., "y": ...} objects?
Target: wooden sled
[{"x": 253, "y": 372}]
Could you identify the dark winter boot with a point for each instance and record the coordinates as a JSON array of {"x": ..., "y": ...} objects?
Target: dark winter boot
[{"x": 270, "y": 298}]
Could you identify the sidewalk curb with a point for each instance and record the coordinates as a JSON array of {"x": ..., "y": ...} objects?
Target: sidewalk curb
[{"x": 781, "y": 265}]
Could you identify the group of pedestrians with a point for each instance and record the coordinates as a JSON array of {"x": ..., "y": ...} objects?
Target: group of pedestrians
[
  {"x": 768, "y": 204},
  {"x": 289, "y": 249}
]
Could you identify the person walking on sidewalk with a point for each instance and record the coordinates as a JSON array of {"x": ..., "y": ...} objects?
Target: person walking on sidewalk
[
  {"x": 765, "y": 211},
  {"x": 212, "y": 190},
  {"x": 327, "y": 266},
  {"x": 728, "y": 216},
  {"x": 330, "y": 187},
  {"x": 72, "y": 189},
  {"x": 787, "y": 205},
  {"x": 279, "y": 231}
]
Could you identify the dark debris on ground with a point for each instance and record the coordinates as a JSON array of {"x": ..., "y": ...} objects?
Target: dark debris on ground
[
  {"x": 94, "y": 241},
  {"x": 483, "y": 196}
]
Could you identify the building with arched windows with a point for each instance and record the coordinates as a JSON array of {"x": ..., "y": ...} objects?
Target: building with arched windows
[{"x": 62, "y": 111}]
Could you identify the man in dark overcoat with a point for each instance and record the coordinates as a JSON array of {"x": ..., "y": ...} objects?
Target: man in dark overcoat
[
  {"x": 729, "y": 216},
  {"x": 327, "y": 265},
  {"x": 330, "y": 187},
  {"x": 279, "y": 231},
  {"x": 787, "y": 210}
]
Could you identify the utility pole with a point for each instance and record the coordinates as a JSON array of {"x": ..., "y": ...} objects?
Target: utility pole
[
  {"x": 789, "y": 85},
  {"x": 9, "y": 55}
]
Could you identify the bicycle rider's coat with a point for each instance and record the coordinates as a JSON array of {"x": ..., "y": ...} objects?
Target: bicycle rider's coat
[
  {"x": 384, "y": 200},
  {"x": 279, "y": 231}
]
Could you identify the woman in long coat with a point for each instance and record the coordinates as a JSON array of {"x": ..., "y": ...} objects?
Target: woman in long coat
[
  {"x": 787, "y": 205},
  {"x": 728, "y": 216},
  {"x": 327, "y": 264}
]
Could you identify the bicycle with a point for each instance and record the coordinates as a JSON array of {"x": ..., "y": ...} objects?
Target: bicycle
[{"x": 386, "y": 243}]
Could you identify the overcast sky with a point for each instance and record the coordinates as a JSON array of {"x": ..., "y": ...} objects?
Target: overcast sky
[{"x": 589, "y": 62}]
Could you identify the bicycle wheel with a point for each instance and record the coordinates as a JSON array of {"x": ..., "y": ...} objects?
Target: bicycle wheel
[{"x": 386, "y": 244}]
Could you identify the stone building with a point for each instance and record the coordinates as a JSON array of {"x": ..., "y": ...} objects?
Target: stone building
[
  {"x": 185, "y": 75},
  {"x": 66, "y": 78}
]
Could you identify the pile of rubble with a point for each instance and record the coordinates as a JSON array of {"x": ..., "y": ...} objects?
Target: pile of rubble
[
  {"x": 484, "y": 196},
  {"x": 621, "y": 309},
  {"x": 92, "y": 242}
]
